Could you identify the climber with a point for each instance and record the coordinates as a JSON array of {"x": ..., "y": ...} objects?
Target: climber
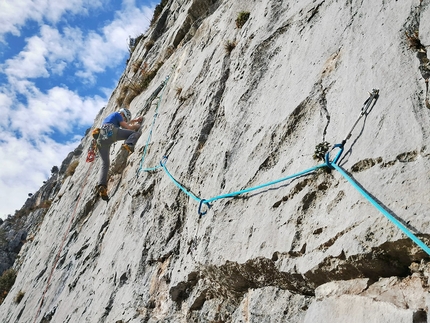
[{"x": 116, "y": 126}]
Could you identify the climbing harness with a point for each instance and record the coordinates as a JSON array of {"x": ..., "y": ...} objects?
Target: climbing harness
[
  {"x": 92, "y": 150},
  {"x": 106, "y": 131}
]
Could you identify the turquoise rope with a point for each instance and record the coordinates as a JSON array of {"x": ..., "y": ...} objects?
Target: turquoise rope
[
  {"x": 309, "y": 170},
  {"x": 207, "y": 201},
  {"x": 183, "y": 189},
  {"x": 327, "y": 163},
  {"x": 332, "y": 164},
  {"x": 382, "y": 210},
  {"x": 150, "y": 132},
  {"x": 147, "y": 142}
]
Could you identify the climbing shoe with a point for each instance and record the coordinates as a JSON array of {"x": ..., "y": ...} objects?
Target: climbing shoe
[
  {"x": 128, "y": 147},
  {"x": 102, "y": 189}
]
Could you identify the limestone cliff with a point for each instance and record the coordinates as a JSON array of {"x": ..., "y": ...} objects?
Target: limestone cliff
[{"x": 244, "y": 103}]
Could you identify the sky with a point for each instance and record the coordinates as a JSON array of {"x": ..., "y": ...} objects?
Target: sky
[{"x": 59, "y": 63}]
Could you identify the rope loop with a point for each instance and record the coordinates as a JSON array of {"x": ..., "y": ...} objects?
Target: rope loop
[
  {"x": 336, "y": 158},
  {"x": 163, "y": 161},
  {"x": 203, "y": 201}
]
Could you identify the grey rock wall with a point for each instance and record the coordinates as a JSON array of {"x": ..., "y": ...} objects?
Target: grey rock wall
[{"x": 311, "y": 249}]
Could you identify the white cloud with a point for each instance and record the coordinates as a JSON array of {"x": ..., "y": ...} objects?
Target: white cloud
[
  {"x": 6, "y": 101},
  {"x": 61, "y": 49},
  {"x": 28, "y": 158},
  {"x": 100, "y": 50},
  {"x": 30, "y": 63},
  {"x": 50, "y": 51},
  {"x": 15, "y": 14},
  {"x": 59, "y": 109},
  {"x": 45, "y": 54},
  {"x": 24, "y": 167}
]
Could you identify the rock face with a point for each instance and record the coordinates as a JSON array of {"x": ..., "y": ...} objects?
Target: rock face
[
  {"x": 23, "y": 225},
  {"x": 244, "y": 107}
]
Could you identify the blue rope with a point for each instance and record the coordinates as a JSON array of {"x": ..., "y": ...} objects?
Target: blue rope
[
  {"x": 382, "y": 210},
  {"x": 306, "y": 171},
  {"x": 331, "y": 164},
  {"x": 147, "y": 141},
  {"x": 150, "y": 133},
  {"x": 183, "y": 189},
  {"x": 396, "y": 222},
  {"x": 232, "y": 194}
]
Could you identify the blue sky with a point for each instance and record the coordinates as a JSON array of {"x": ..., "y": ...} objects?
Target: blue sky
[{"x": 59, "y": 63}]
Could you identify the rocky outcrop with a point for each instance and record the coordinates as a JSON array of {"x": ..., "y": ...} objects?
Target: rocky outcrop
[{"x": 244, "y": 107}]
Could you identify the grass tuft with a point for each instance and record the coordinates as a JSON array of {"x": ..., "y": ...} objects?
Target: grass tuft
[
  {"x": 229, "y": 46},
  {"x": 72, "y": 168}
]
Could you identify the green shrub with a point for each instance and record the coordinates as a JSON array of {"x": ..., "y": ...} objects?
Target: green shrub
[
  {"x": 122, "y": 95},
  {"x": 136, "y": 65},
  {"x": 242, "y": 17},
  {"x": 6, "y": 282},
  {"x": 178, "y": 92},
  {"x": 320, "y": 150},
  {"x": 137, "y": 84},
  {"x": 45, "y": 204},
  {"x": 149, "y": 44}
]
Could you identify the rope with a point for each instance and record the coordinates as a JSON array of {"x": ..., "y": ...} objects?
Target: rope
[
  {"x": 306, "y": 171},
  {"x": 367, "y": 107},
  {"x": 57, "y": 257},
  {"x": 328, "y": 163},
  {"x": 161, "y": 89},
  {"x": 232, "y": 194},
  {"x": 372, "y": 201},
  {"x": 179, "y": 185},
  {"x": 396, "y": 222}
]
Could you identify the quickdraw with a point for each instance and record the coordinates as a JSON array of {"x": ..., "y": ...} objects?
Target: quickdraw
[
  {"x": 365, "y": 110},
  {"x": 92, "y": 150}
]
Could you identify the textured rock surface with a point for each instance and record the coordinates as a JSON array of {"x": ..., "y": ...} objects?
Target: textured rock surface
[{"x": 306, "y": 250}]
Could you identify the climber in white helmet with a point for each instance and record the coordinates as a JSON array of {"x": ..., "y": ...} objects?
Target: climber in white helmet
[{"x": 116, "y": 126}]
